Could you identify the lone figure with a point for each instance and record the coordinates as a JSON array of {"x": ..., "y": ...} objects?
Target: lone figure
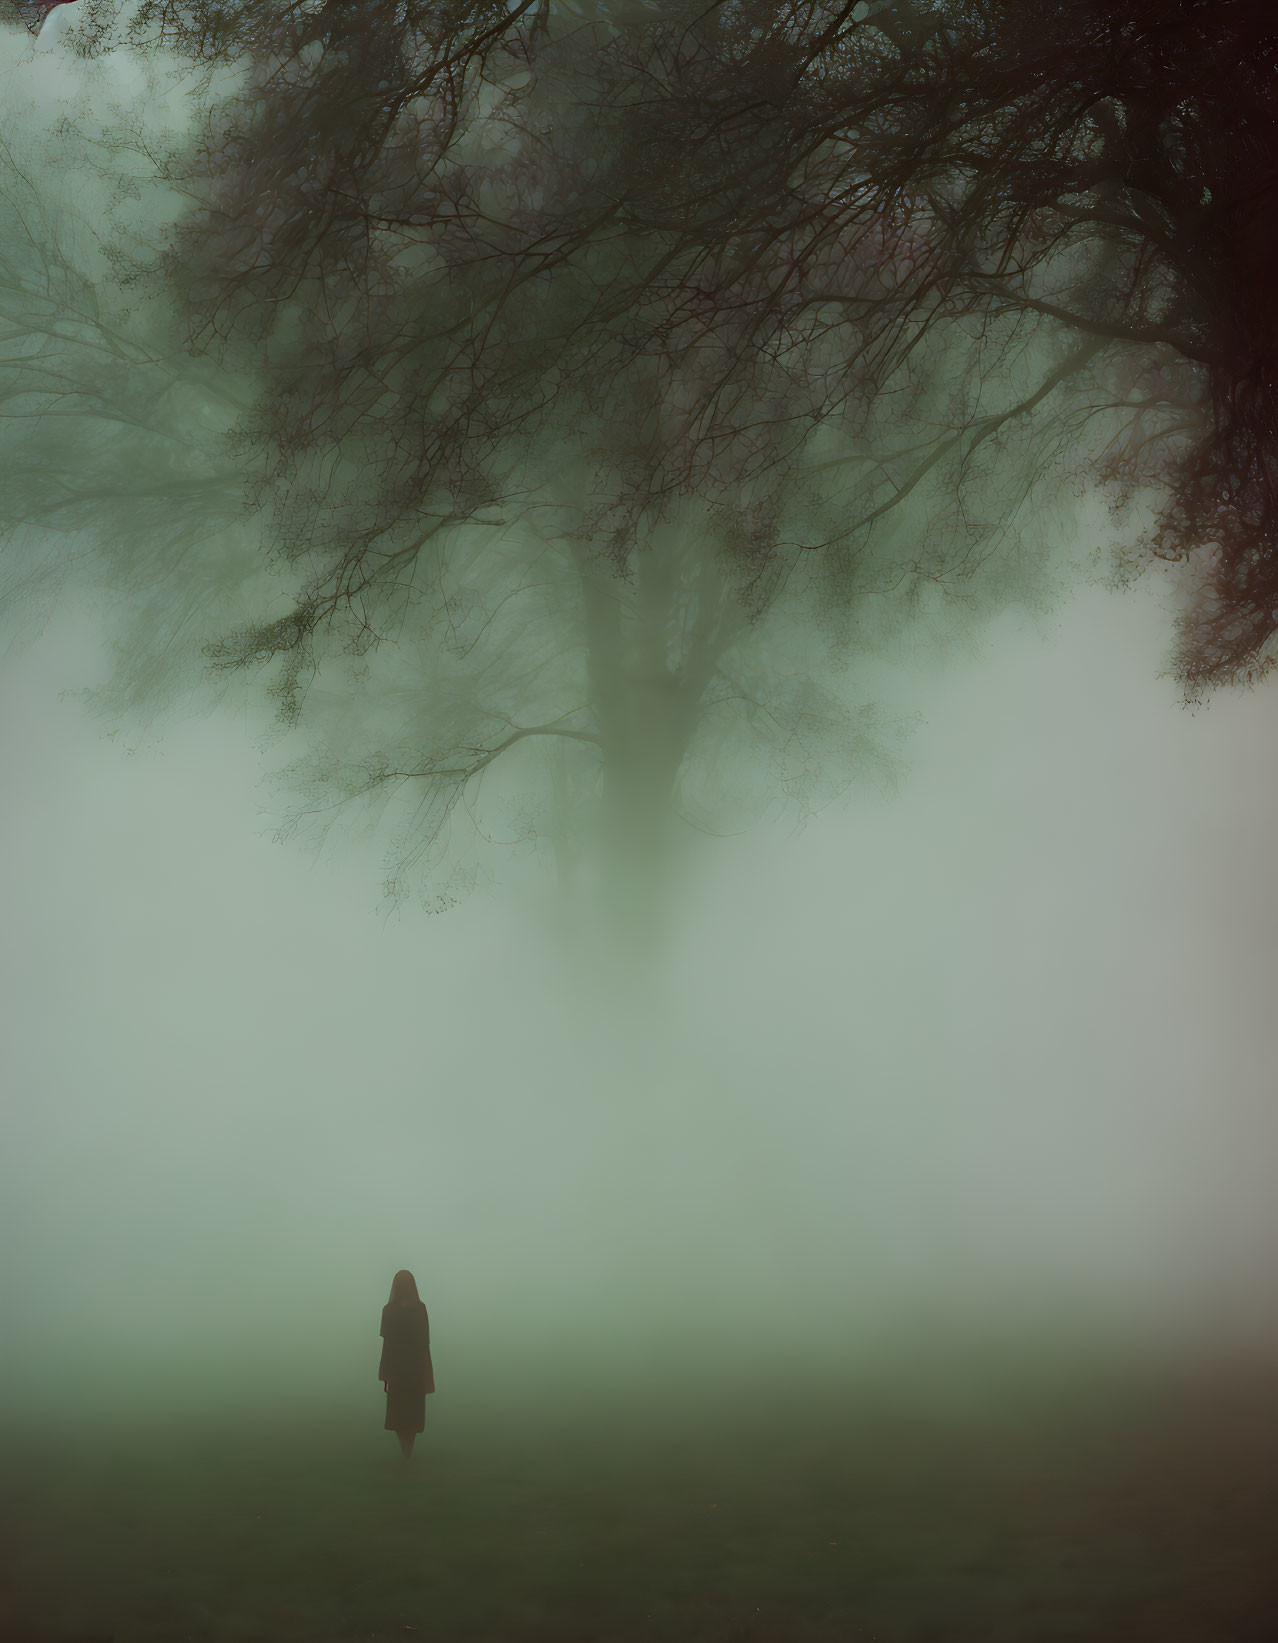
[{"x": 405, "y": 1370}]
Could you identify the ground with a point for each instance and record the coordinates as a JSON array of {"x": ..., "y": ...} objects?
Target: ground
[{"x": 1142, "y": 1507}]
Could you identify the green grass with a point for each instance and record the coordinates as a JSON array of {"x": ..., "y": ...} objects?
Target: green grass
[{"x": 985, "y": 1512}]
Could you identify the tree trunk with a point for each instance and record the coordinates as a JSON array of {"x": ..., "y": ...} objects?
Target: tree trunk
[{"x": 653, "y": 640}]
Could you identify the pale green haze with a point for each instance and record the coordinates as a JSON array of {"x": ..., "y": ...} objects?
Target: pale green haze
[
  {"x": 993, "y": 1052},
  {"x": 946, "y": 1084}
]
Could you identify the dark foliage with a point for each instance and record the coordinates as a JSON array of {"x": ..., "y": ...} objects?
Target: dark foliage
[{"x": 810, "y": 185}]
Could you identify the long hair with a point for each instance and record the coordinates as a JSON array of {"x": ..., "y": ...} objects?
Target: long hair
[{"x": 404, "y": 1290}]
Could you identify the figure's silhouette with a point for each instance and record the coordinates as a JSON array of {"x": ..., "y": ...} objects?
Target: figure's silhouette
[{"x": 405, "y": 1370}]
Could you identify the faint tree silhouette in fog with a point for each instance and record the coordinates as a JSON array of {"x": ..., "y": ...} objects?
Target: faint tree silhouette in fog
[
  {"x": 1106, "y": 168},
  {"x": 602, "y": 375}
]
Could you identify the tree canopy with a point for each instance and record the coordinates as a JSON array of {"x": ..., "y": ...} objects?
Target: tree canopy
[{"x": 604, "y": 378}]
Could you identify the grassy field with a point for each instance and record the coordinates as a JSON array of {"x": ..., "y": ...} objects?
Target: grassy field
[{"x": 1120, "y": 1510}]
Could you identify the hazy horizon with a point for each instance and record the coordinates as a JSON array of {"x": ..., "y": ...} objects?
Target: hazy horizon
[{"x": 986, "y": 1056}]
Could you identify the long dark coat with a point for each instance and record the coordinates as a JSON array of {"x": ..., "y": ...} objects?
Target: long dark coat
[{"x": 406, "y": 1367}]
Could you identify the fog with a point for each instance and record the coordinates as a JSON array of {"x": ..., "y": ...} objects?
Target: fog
[
  {"x": 858, "y": 1221},
  {"x": 987, "y": 1060},
  {"x": 983, "y": 1060}
]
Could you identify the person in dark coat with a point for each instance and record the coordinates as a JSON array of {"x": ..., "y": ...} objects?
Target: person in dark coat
[{"x": 405, "y": 1370}]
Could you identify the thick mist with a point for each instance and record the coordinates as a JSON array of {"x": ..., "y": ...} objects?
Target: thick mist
[
  {"x": 803, "y": 1017},
  {"x": 981, "y": 1060},
  {"x": 984, "y": 1062}
]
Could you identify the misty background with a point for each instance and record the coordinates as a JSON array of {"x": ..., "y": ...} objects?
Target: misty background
[
  {"x": 990, "y": 1058},
  {"x": 987, "y": 1058}
]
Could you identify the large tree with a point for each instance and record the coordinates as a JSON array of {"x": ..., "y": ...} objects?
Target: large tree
[
  {"x": 547, "y": 350},
  {"x": 1106, "y": 169},
  {"x": 1101, "y": 169}
]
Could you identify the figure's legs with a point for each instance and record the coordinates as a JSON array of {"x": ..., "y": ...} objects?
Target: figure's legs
[{"x": 406, "y": 1442}]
